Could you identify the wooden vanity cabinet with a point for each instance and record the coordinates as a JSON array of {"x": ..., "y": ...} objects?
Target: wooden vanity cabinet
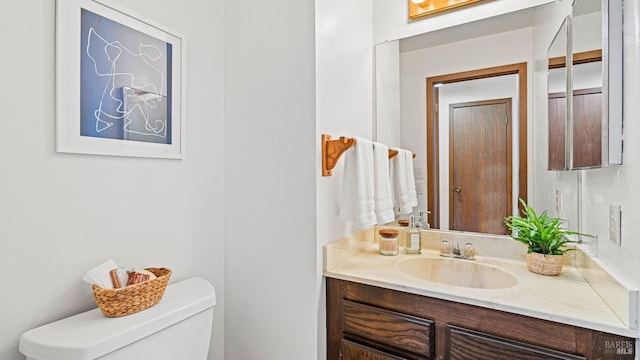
[{"x": 370, "y": 323}]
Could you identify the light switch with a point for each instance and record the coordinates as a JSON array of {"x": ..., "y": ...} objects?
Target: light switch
[
  {"x": 418, "y": 173},
  {"x": 615, "y": 213}
]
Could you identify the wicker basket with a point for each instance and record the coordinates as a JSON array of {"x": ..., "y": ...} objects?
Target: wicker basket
[
  {"x": 133, "y": 298},
  {"x": 544, "y": 264}
]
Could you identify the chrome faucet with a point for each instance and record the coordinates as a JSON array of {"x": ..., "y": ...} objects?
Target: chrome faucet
[
  {"x": 469, "y": 252},
  {"x": 456, "y": 250}
]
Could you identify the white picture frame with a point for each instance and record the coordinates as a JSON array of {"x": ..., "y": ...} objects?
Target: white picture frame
[{"x": 119, "y": 83}]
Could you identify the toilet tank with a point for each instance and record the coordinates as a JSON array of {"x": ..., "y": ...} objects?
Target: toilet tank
[{"x": 177, "y": 328}]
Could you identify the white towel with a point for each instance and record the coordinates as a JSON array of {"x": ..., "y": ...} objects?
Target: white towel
[
  {"x": 382, "y": 184},
  {"x": 404, "y": 185},
  {"x": 357, "y": 202},
  {"x": 411, "y": 180},
  {"x": 101, "y": 274}
]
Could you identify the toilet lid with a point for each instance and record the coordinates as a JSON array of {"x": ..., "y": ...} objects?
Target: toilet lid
[{"x": 90, "y": 335}]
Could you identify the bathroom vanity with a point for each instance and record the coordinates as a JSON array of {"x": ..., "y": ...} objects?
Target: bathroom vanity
[
  {"x": 378, "y": 307},
  {"x": 369, "y": 322}
]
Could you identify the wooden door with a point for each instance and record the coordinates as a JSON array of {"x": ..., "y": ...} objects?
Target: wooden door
[{"x": 480, "y": 166}]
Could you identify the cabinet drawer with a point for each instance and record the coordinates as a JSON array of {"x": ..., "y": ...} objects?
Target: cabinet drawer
[
  {"x": 469, "y": 344},
  {"x": 355, "y": 351},
  {"x": 397, "y": 331}
]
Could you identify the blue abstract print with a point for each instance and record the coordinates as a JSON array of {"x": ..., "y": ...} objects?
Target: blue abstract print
[{"x": 125, "y": 82}]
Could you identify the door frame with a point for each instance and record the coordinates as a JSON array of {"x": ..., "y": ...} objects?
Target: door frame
[
  {"x": 509, "y": 150},
  {"x": 433, "y": 158}
]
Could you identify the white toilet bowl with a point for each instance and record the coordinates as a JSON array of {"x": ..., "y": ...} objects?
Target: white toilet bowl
[{"x": 177, "y": 328}]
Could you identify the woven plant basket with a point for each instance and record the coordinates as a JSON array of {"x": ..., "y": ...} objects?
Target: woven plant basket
[
  {"x": 544, "y": 264},
  {"x": 133, "y": 298}
]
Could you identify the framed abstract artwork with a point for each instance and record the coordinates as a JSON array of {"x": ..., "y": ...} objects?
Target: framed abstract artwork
[{"x": 119, "y": 83}]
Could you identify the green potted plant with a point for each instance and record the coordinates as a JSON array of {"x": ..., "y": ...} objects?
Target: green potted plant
[{"x": 544, "y": 237}]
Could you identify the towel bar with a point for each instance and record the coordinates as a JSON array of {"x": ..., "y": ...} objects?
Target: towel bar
[{"x": 332, "y": 149}]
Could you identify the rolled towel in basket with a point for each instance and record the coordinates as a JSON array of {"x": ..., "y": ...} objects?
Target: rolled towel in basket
[{"x": 101, "y": 274}]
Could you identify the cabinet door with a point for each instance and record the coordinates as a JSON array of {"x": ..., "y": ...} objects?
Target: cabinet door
[
  {"x": 468, "y": 344},
  {"x": 587, "y": 128},
  {"x": 557, "y": 119},
  {"x": 354, "y": 351}
]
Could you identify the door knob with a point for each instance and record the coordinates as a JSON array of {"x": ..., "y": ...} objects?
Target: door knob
[{"x": 457, "y": 189}]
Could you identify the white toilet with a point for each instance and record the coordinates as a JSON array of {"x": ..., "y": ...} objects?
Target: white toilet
[{"x": 177, "y": 328}]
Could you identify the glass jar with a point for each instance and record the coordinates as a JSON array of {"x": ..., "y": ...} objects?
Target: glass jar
[
  {"x": 469, "y": 251},
  {"x": 445, "y": 248},
  {"x": 388, "y": 241}
]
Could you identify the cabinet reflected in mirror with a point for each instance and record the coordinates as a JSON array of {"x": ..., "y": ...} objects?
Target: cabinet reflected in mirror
[
  {"x": 585, "y": 129},
  {"x": 559, "y": 108}
]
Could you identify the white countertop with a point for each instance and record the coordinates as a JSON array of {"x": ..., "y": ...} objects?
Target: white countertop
[{"x": 567, "y": 298}]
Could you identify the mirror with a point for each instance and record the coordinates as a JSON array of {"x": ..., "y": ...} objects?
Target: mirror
[
  {"x": 489, "y": 53},
  {"x": 501, "y": 40},
  {"x": 558, "y": 79},
  {"x": 590, "y": 136},
  {"x": 612, "y": 75}
]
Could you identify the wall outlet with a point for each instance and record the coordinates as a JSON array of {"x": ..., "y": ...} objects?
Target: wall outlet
[{"x": 615, "y": 228}]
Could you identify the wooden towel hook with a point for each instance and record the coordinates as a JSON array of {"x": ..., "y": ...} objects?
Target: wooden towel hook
[{"x": 332, "y": 150}]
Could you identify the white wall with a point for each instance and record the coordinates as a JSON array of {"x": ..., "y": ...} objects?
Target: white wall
[
  {"x": 344, "y": 107},
  {"x": 620, "y": 184},
  {"x": 344, "y": 86},
  {"x": 61, "y": 214},
  {"x": 271, "y": 251}
]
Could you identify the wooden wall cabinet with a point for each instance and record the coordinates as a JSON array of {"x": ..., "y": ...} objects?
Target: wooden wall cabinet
[
  {"x": 371, "y": 323},
  {"x": 587, "y": 130}
]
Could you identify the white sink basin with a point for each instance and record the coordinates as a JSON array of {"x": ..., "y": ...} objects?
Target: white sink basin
[{"x": 458, "y": 272}]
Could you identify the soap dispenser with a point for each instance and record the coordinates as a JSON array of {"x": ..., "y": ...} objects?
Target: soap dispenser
[
  {"x": 412, "y": 243},
  {"x": 424, "y": 217}
]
